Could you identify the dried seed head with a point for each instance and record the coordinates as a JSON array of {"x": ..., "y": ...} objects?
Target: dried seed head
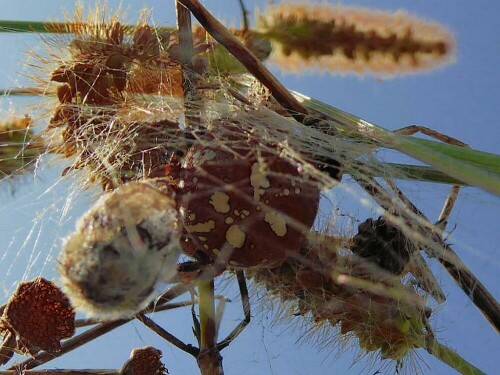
[
  {"x": 392, "y": 324},
  {"x": 144, "y": 361},
  {"x": 39, "y": 315},
  {"x": 341, "y": 39},
  {"x": 18, "y": 146},
  {"x": 108, "y": 61},
  {"x": 102, "y": 74},
  {"x": 123, "y": 247}
]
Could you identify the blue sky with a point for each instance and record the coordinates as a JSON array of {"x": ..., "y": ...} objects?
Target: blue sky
[{"x": 462, "y": 100}]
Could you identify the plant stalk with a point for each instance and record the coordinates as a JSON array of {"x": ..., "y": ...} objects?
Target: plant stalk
[
  {"x": 450, "y": 357},
  {"x": 209, "y": 358}
]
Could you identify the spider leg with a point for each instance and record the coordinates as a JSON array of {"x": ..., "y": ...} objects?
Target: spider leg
[
  {"x": 167, "y": 336},
  {"x": 245, "y": 301},
  {"x": 452, "y": 197},
  {"x": 457, "y": 269},
  {"x": 417, "y": 265},
  {"x": 414, "y": 129},
  {"x": 448, "y": 207}
]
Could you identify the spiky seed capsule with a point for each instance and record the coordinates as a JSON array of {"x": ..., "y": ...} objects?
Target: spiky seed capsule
[
  {"x": 123, "y": 247},
  {"x": 379, "y": 322}
]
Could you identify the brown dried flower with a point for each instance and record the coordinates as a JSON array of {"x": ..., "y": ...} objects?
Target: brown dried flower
[
  {"x": 145, "y": 361},
  {"x": 103, "y": 73},
  {"x": 38, "y": 315}
]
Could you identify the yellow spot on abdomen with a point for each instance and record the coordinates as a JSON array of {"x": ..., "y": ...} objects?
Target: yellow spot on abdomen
[
  {"x": 220, "y": 202},
  {"x": 235, "y": 236},
  {"x": 277, "y": 223},
  {"x": 201, "y": 227},
  {"x": 258, "y": 181}
]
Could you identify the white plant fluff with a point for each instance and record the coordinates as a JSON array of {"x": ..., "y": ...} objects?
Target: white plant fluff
[{"x": 123, "y": 247}]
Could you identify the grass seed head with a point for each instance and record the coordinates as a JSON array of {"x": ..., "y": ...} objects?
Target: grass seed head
[
  {"x": 342, "y": 39},
  {"x": 19, "y": 148}
]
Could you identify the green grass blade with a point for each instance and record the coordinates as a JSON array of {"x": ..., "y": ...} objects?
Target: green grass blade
[
  {"x": 467, "y": 168},
  {"x": 7, "y": 26},
  {"x": 39, "y": 27},
  {"x": 408, "y": 172},
  {"x": 472, "y": 167}
]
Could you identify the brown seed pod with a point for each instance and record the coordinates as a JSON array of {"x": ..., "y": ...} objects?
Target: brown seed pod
[
  {"x": 144, "y": 361},
  {"x": 244, "y": 207},
  {"x": 39, "y": 315}
]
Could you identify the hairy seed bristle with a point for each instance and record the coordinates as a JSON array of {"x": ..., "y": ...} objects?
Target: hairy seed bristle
[{"x": 316, "y": 286}]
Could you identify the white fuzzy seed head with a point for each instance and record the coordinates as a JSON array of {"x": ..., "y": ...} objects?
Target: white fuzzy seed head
[{"x": 123, "y": 247}]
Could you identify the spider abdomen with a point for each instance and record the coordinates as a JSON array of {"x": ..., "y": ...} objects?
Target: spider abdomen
[{"x": 245, "y": 208}]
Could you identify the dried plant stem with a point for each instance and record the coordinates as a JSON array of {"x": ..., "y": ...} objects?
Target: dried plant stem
[
  {"x": 169, "y": 306},
  {"x": 71, "y": 344},
  {"x": 174, "y": 292},
  {"x": 185, "y": 34},
  {"x": 209, "y": 358},
  {"x": 166, "y": 335},
  {"x": 471, "y": 286},
  {"x": 189, "y": 78},
  {"x": 219, "y": 32}
]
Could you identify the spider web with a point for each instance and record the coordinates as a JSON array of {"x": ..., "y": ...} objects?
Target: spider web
[{"x": 50, "y": 207}]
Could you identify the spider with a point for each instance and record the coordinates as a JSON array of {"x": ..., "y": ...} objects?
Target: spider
[
  {"x": 236, "y": 203},
  {"x": 213, "y": 190}
]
